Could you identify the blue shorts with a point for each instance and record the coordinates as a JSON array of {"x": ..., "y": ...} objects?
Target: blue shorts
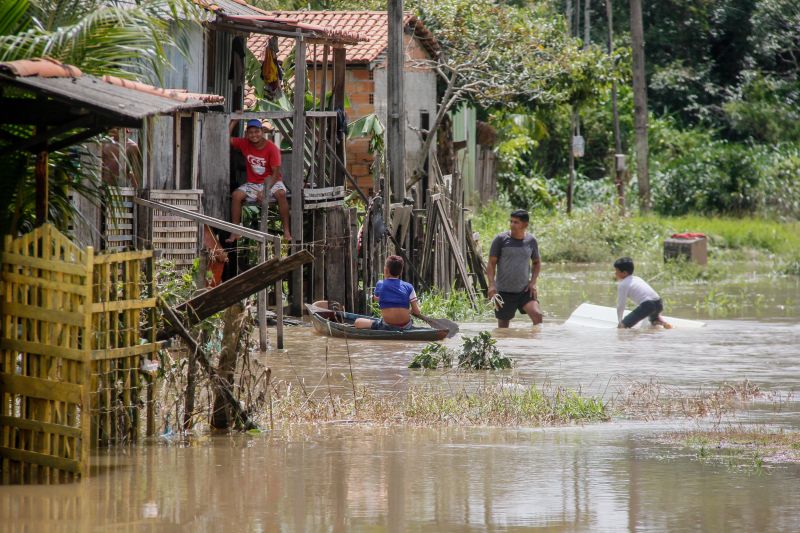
[{"x": 379, "y": 324}]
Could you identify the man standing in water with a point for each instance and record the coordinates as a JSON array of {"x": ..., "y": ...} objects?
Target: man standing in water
[{"x": 514, "y": 256}]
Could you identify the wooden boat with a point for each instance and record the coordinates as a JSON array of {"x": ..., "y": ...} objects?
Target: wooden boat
[{"x": 340, "y": 324}]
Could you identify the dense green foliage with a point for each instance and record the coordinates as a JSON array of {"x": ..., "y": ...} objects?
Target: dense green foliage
[{"x": 480, "y": 352}]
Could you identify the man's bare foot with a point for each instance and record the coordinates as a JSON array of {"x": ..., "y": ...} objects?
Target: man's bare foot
[
  {"x": 287, "y": 236},
  {"x": 233, "y": 238}
]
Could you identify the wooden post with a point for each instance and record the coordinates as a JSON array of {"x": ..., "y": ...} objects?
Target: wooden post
[
  {"x": 320, "y": 242},
  {"x": 351, "y": 259},
  {"x": 640, "y": 104},
  {"x": 298, "y": 172},
  {"x": 619, "y": 171},
  {"x": 336, "y": 256},
  {"x": 396, "y": 123},
  {"x": 339, "y": 64},
  {"x": 42, "y": 186},
  {"x": 87, "y": 419},
  {"x": 262, "y": 295}
]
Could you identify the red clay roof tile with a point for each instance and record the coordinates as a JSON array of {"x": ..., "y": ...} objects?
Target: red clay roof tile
[
  {"x": 373, "y": 25},
  {"x": 43, "y": 67}
]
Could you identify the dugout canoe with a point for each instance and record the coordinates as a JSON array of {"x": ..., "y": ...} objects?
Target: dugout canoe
[{"x": 340, "y": 324}]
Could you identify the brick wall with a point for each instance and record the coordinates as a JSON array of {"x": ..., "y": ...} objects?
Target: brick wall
[{"x": 360, "y": 91}]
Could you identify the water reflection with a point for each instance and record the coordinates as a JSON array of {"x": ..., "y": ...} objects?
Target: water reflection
[
  {"x": 599, "y": 478},
  {"x": 607, "y": 477}
]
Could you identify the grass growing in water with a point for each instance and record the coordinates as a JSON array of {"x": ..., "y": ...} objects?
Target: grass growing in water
[
  {"x": 740, "y": 446},
  {"x": 496, "y": 405}
]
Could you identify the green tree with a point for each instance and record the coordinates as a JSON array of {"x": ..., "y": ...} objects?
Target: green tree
[{"x": 121, "y": 38}]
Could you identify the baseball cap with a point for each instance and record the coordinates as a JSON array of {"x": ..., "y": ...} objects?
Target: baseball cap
[{"x": 254, "y": 123}]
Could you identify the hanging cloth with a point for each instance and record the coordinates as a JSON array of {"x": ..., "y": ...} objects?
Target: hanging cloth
[{"x": 271, "y": 70}]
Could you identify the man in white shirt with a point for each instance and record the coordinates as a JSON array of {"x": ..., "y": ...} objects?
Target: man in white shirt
[{"x": 648, "y": 302}]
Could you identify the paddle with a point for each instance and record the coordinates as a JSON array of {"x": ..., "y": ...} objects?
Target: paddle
[{"x": 441, "y": 323}]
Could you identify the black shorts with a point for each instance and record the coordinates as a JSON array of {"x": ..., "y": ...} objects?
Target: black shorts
[
  {"x": 513, "y": 301},
  {"x": 649, "y": 308}
]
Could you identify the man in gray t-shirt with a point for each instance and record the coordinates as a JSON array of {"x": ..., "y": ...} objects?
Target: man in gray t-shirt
[{"x": 514, "y": 257}]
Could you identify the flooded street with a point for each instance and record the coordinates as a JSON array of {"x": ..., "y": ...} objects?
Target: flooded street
[{"x": 616, "y": 476}]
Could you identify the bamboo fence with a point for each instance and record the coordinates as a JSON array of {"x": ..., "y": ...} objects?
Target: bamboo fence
[{"x": 74, "y": 329}]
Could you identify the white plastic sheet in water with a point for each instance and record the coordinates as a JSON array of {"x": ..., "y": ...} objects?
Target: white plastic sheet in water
[{"x": 598, "y": 316}]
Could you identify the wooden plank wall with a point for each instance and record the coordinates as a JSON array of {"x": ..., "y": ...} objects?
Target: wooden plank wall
[
  {"x": 160, "y": 162},
  {"x": 176, "y": 238},
  {"x": 214, "y": 172}
]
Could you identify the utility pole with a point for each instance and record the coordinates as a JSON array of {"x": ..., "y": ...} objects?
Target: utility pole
[
  {"x": 396, "y": 112},
  {"x": 619, "y": 156},
  {"x": 573, "y": 113},
  {"x": 640, "y": 104}
]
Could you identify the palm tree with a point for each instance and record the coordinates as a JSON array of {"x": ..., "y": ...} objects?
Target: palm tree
[{"x": 125, "y": 38}]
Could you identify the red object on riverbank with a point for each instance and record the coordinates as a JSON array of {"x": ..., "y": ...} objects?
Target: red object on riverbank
[{"x": 688, "y": 235}]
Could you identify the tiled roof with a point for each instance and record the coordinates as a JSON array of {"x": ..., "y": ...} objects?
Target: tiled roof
[
  {"x": 42, "y": 67},
  {"x": 373, "y": 25},
  {"x": 258, "y": 21}
]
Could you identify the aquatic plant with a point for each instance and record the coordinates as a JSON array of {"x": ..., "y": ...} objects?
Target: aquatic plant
[
  {"x": 433, "y": 356},
  {"x": 480, "y": 352},
  {"x": 741, "y": 447},
  {"x": 652, "y": 399}
]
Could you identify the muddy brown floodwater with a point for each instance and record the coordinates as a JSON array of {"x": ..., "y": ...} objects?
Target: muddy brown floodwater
[{"x": 617, "y": 476}]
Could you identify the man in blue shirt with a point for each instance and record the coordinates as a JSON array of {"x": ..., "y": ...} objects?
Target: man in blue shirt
[{"x": 394, "y": 297}]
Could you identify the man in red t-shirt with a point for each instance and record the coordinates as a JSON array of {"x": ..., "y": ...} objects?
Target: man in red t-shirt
[{"x": 263, "y": 160}]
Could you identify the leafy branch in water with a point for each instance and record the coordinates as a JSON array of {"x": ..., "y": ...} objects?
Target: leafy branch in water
[
  {"x": 433, "y": 356},
  {"x": 478, "y": 352}
]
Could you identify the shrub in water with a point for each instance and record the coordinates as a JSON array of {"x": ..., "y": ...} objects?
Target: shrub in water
[
  {"x": 433, "y": 356},
  {"x": 480, "y": 352}
]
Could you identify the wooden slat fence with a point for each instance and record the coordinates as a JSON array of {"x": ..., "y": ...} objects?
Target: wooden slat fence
[{"x": 70, "y": 346}]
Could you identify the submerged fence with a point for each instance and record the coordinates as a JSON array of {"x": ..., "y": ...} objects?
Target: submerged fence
[{"x": 75, "y": 327}]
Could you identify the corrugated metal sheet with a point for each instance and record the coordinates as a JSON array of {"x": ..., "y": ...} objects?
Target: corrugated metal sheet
[
  {"x": 188, "y": 72},
  {"x": 223, "y": 44},
  {"x": 464, "y": 130},
  {"x": 231, "y": 7},
  {"x": 105, "y": 98}
]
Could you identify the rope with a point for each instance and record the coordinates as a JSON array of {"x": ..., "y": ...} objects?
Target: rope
[{"x": 497, "y": 301}]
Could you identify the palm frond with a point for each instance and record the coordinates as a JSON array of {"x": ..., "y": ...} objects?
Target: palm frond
[
  {"x": 12, "y": 16},
  {"x": 129, "y": 42}
]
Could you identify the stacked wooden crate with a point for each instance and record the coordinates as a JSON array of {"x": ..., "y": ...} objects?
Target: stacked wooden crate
[
  {"x": 119, "y": 220},
  {"x": 174, "y": 238}
]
